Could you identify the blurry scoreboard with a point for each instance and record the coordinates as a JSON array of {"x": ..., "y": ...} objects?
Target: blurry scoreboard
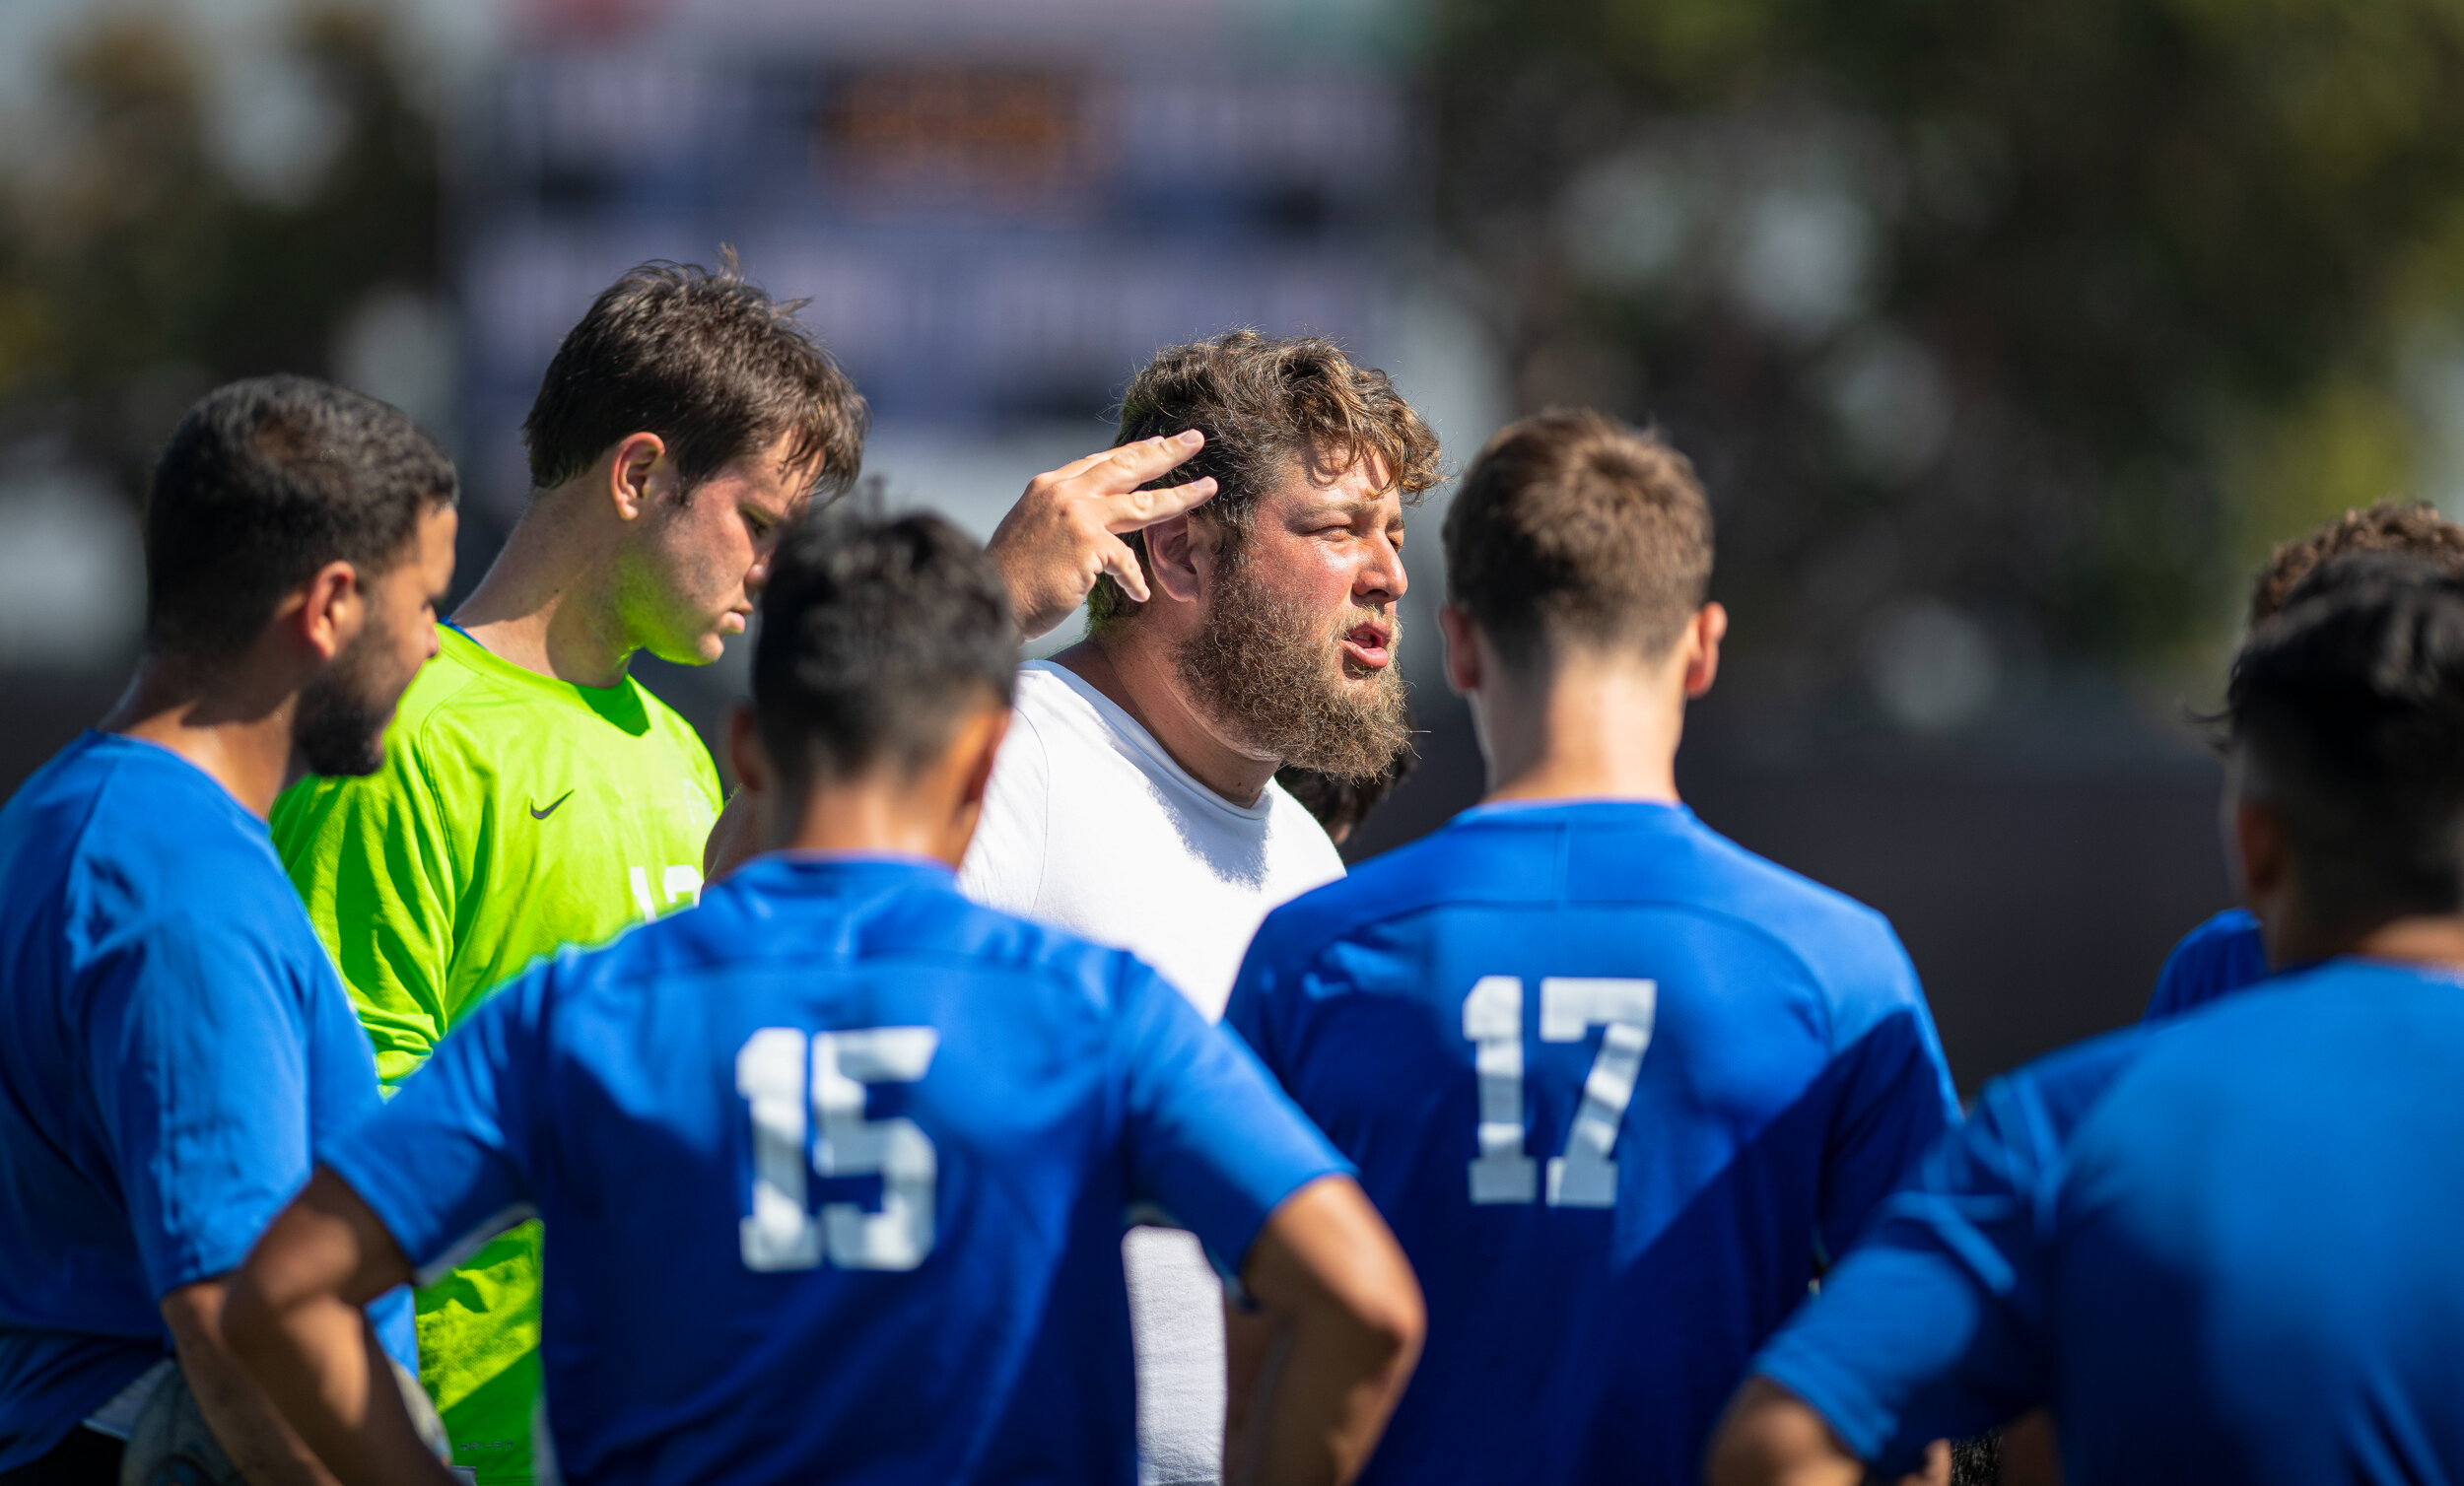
[{"x": 984, "y": 240}]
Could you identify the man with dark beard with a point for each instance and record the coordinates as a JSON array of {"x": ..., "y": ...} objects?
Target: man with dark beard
[
  {"x": 1134, "y": 802},
  {"x": 174, "y": 1040}
]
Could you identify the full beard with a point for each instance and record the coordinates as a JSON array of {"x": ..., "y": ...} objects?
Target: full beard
[
  {"x": 1270, "y": 674},
  {"x": 339, "y": 728}
]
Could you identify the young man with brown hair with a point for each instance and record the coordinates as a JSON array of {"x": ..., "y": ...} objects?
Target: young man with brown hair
[
  {"x": 1135, "y": 800},
  {"x": 534, "y": 794},
  {"x": 172, "y": 1041},
  {"x": 2225, "y": 954},
  {"x": 1618, "y": 1085}
]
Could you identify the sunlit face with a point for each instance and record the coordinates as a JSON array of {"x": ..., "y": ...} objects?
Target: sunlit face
[
  {"x": 1296, "y": 652},
  {"x": 697, "y": 562},
  {"x": 340, "y": 725}
]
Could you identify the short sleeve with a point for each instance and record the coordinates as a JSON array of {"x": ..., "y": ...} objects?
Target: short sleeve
[
  {"x": 197, "y": 1048},
  {"x": 1212, "y": 1143},
  {"x": 371, "y": 858},
  {"x": 1935, "y": 1328},
  {"x": 1894, "y": 1096},
  {"x": 1003, "y": 867},
  {"x": 446, "y": 1166}
]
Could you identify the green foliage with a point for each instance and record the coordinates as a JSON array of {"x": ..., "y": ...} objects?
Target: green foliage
[
  {"x": 135, "y": 271},
  {"x": 2173, "y": 261}
]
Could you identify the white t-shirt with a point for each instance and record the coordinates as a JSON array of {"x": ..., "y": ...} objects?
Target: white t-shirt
[{"x": 1089, "y": 824}]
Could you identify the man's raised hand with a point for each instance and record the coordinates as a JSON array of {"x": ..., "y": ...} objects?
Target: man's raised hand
[{"x": 1065, "y": 531}]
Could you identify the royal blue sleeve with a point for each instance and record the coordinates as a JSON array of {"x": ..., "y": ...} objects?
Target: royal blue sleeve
[
  {"x": 2212, "y": 960},
  {"x": 1214, "y": 1143},
  {"x": 1933, "y": 1328},
  {"x": 196, "y": 1048},
  {"x": 446, "y": 1166},
  {"x": 1893, "y": 1091},
  {"x": 1248, "y": 1013}
]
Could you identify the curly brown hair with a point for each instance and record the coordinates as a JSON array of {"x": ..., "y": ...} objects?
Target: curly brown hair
[
  {"x": 2414, "y": 529},
  {"x": 1269, "y": 407}
]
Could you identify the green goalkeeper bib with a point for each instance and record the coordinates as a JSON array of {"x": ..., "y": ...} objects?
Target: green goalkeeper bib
[{"x": 516, "y": 815}]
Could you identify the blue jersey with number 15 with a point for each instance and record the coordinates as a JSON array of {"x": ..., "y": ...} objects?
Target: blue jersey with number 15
[
  {"x": 834, "y": 1171},
  {"x": 1615, "y": 1083}
]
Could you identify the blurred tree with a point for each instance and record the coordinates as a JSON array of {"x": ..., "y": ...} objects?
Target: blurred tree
[
  {"x": 137, "y": 268},
  {"x": 2048, "y": 315}
]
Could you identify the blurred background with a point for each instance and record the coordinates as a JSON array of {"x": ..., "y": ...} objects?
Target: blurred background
[{"x": 2007, "y": 334}]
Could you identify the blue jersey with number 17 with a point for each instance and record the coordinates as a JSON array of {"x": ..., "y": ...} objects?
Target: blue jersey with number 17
[
  {"x": 1615, "y": 1083},
  {"x": 834, "y": 1171}
]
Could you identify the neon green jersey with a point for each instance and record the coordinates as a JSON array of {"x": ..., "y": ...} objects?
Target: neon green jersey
[{"x": 515, "y": 814}]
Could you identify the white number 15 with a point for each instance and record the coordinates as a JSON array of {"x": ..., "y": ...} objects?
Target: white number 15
[{"x": 1570, "y": 1007}]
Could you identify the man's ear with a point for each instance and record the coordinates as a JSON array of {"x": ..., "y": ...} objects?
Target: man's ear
[
  {"x": 1703, "y": 634},
  {"x": 1463, "y": 650},
  {"x": 327, "y": 612},
  {"x": 981, "y": 738},
  {"x": 745, "y": 749},
  {"x": 1179, "y": 554},
  {"x": 2262, "y": 866},
  {"x": 637, "y": 470}
]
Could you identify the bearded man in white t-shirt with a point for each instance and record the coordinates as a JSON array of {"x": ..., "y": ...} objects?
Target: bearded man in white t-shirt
[{"x": 1134, "y": 802}]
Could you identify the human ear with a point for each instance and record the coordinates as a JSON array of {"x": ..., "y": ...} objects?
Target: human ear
[
  {"x": 331, "y": 609},
  {"x": 633, "y": 466},
  {"x": 1703, "y": 634},
  {"x": 1177, "y": 552},
  {"x": 1463, "y": 650},
  {"x": 745, "y": 751}
]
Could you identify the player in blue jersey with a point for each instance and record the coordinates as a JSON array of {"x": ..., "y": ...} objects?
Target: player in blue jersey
[
  {"x": 1616, "y": 1083},
  {"x": 2219, "y": 1249},
  {"x": 881, "y": 1141},
  {"x": 2225, "y": 954},
  {"x": 172, "y": 1037}
]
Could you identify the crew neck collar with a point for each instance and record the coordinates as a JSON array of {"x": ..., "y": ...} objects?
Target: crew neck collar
[
  {"x": 1117, "y": 717},
  {"x": 479, "y": 657},
  {"x": 838, "y": 871}
]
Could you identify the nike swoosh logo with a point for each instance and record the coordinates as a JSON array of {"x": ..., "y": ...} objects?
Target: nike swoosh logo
[{"x": 539, "y": 814}]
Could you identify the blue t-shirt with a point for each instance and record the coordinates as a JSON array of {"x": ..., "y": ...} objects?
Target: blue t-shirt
[
  {"x": 173, "y": 1042},
  {"x": 834, "y": 1171},
  {"x": 2212, "y": 960},
  {"x": 1616, "y": 1082},
  {"x": 2222, "y": 1250}
]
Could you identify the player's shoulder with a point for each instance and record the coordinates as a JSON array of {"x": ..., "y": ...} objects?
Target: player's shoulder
[
  {"x": 915, "y": 916},
  {"x": 2220, "y": 955}
]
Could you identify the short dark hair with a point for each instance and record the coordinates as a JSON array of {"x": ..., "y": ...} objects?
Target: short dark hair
[
  {"x": 708, "y": 362},
  {"x": 1267, "y": 406},
  {"x": 264, "y": 482},
  {"x": 2348, "y": 708},
  {"x": 875, "y": 635},
  {"x": 1339, "y": 803},
  {"x": 1579, "y": 527},
  {"x": 2414, "y": 528}
]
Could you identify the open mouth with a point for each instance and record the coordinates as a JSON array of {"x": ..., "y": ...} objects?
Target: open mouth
[{"x": 1370, "y": 645}]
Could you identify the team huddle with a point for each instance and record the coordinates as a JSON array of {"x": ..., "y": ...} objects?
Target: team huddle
[{"x": 413, "y": 1068}]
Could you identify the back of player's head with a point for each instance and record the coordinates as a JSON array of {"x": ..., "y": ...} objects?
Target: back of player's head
[
  {"x": 1270, "y": 408},
  {"x": 710, "y": 363},
  {"x": 264, "y": 482},
  {"x": 1571, "y": 527},
  {"x": 2347, "y": 709},
  {"x": 2413, "y": 530},
  {"x": 877, "y": 636}
]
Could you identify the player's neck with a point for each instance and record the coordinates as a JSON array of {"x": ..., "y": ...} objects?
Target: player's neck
[
  {"x": 2432, "y": 940},
  {"x": 236, "y": 730},
  {"x": 1135, "y": 671},
  {"x": 549, "y": 603},
  {"x": 1581, "y": 729}
]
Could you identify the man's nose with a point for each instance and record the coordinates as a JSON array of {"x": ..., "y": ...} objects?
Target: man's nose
[{"x": 1381, "y": 575}]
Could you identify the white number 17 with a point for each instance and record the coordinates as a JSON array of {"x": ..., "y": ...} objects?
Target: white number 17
[{"x": 1570, "y": 1007}]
